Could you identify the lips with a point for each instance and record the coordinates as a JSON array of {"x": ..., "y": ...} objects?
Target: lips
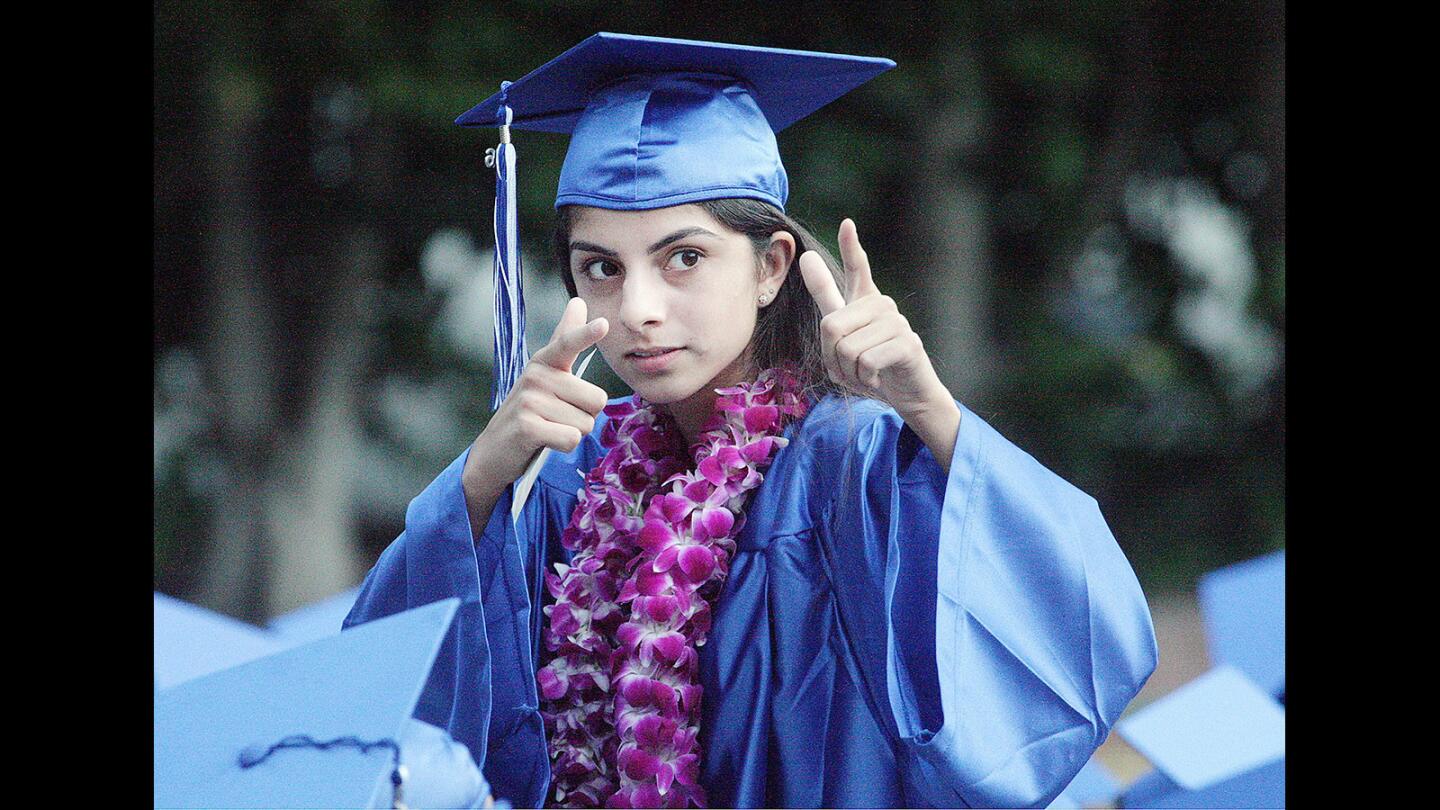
[
  {"x": 651, "y": 352},
  {"x": 654, "y": 358}
]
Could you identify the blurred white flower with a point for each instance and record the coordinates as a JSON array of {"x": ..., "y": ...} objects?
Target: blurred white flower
[
  {"x": 1211, "y": 243},
  {"x": 423, "y": 416},
  {"x": 1102, "y": 299},
  {"x": 418, "y": 424},
  {"x": 451, "y": 265}
]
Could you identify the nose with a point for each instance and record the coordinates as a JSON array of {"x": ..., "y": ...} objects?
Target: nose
[{"x": 642, "y": 302}]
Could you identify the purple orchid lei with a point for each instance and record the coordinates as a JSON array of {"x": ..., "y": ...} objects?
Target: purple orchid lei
[{"x": 621, "y": 688}]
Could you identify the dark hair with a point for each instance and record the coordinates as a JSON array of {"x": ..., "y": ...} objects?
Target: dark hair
[{"x": 787, "y": 331}]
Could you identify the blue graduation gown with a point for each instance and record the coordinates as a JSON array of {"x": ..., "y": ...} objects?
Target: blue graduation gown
[{"x": 891, "y": 633}]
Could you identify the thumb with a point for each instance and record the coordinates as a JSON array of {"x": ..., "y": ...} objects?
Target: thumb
[
  {"x": 573, "y": 316},
  {"x": 572, "y": 335}
]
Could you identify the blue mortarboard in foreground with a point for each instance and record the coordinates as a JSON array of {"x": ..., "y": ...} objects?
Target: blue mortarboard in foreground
[
  {"x": 1244, "y": 610},
  {"x": 362, "y": 683},
  {"x": 191, "y": 641},
  {"x": 1209, "y": 731},
  {"x": 653, "y": 122},
  {"x": 1262, "y": 787},
  {"x": 316, "y": 620}
]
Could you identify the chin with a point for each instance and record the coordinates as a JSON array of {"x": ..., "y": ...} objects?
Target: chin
[{"x": 663, "y": 391}]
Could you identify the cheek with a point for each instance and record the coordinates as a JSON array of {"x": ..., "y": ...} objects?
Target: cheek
[
  {"x": 730, "y": 320},
  {"x": 610, "y": 346},
  {"x": 740, "y": 297},
  {"x": 715, "y": 307},
  {"x": 599, "y": 306}
]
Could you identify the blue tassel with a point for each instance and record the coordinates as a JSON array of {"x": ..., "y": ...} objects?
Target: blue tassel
[{"x": 511, "y": 351}]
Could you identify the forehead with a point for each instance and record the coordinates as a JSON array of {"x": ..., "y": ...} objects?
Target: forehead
[{"x": 620, "y": 228}]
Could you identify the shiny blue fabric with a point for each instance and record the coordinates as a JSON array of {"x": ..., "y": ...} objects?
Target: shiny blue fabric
[
  {"x": 891, "y": 633},
  {"x": 659, "y": 121},
  {"x": 651, "y": 141}
]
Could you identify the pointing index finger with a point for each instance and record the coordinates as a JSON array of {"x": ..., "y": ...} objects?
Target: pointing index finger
[
  {"x": 820, "y": 283},
  {"x": 858, "y": 280}
]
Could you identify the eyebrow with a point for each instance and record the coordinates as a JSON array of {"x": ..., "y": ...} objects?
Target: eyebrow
[
  {"x": 592, "y": 248},
  {"x": 678, "y": 235},
  {"x": 659, "y": 245}
]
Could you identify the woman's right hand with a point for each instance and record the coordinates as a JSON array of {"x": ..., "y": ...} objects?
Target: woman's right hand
[{"x": 548, "y": 407}]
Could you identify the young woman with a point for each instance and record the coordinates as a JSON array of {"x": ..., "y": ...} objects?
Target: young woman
[{"x": 791, "y": 569}]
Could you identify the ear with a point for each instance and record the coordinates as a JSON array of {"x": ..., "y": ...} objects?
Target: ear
[{"x": 778, "y": 258}]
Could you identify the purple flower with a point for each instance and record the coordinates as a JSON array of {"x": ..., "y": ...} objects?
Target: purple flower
[
  {"x": 761, "y": 418},
  {"x": 621, "y": 693}
]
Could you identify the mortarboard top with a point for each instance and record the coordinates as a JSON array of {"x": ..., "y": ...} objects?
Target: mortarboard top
[
  {"x": 363, "y": 682},
  {"x": 1256, "y": 788},
  {"x": 316, "y": 620},
  {"x": 1143, "y": 792},
  {"x": 657, "y": 121},
  {"x": 788, "y": 84},
  {"x": 191, "y": 641},
  {"x": 1216, "y": 727},
  {"x": 1063, "y": 802},
  {"x": 1243, "y": 606}
]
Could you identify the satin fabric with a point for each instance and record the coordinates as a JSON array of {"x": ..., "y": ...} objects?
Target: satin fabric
[
  {"x": 891, "y": 633},
  {"x": 658, "y": 121},
  {"x": 651, "y": 141}
]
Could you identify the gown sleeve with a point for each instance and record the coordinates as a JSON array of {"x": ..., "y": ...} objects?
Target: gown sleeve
[
  {"x": 480, "y": 689},
  {"x": 996, "y": 624}
]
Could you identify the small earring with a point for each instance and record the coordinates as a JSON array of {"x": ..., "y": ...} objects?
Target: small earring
[{"x": 764, "y": 298}]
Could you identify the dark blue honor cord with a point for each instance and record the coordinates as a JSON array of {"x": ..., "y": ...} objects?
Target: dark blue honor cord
[{"x": 249, "y": 758}]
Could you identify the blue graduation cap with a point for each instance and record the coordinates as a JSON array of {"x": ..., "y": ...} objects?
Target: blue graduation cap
[
  {"x": 1063, "y": 802},
  {"x": 1262, "y": 787},
  {"x": 248, "y": 736},
  {"x": 314, "y": 621},
  {"x": 1204, "y": 737},
  {"x": 191, "y": 641},
  {"x": 654, "y": 122},
  {"x": 1243, "y": 606}
]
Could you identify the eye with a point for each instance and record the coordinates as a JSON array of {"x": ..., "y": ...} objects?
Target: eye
[
  {"x": 600, "y": 269},
  {"x": 684, "y": 259}
]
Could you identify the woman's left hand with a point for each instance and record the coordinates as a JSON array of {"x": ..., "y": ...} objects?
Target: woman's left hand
[{"x": 869, "y": 346}]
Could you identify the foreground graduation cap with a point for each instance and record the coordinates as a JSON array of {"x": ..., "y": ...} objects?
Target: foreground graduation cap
[
  {"x": 316, "y": 620},
  {"x": 654, "y": 122},
  {"x": 363, "y": 683},
  {"x": 1243, "y": 606},
  {"x": 1262, "y": 787},
  {"x": 1218, "y": 739},
  {"x": 191, "y": 641}
]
